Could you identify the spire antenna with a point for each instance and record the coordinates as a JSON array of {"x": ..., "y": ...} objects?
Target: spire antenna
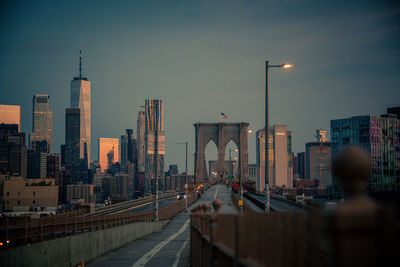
[{"x": 80, "y": 61}]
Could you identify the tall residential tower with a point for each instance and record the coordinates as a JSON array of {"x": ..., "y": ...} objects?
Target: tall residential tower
[
  {"x": 141, "y": 150},
  {"x": 154, "y": 139}
]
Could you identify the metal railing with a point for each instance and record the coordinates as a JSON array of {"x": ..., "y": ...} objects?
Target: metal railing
[
  {"x": 24, "y": 230},
  {"x": 291, "y": 239}
]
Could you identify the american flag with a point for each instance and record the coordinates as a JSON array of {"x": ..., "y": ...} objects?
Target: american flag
[{"x": 223, "y": 115}]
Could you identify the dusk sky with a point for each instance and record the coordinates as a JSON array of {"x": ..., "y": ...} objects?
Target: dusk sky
[{"x": 203, "y": 58}]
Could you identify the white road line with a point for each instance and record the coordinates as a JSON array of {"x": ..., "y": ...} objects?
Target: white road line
[
  {"x": 143, "y": 260},
  {"x": 216, "y": 192},
  {"x": 178, "y": 255}
]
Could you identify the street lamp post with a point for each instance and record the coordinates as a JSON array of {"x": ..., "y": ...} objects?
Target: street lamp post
[
  {"x": 155, "y": 168},
  {"x": 186, "y": 182},
  {"x": 266, "y": 135}
]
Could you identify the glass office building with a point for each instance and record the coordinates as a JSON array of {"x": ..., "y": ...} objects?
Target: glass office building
[
  {"x": 42, "y": 124},
  {"x": 380, "y": 137},
  {"x": 280, "y": 167},
  {"x": 108, "y": 152}
]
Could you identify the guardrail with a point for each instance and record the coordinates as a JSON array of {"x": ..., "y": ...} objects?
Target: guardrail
[
  {"x": 23, "y": 230},
  {"x": 256, "y": 202}
]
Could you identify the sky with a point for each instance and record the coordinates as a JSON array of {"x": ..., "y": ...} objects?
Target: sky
[{"x": 203, "y": 58}]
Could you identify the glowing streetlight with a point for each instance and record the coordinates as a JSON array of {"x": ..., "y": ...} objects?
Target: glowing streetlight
[{"x": 287, "y": 66}]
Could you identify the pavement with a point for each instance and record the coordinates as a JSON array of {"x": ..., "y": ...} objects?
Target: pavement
[{"x": 171, "y": 246}]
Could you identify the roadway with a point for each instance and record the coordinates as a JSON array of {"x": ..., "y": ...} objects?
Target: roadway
[
  {"x": 276, "y": 204},
  {"x": 170, "y": 247},
  {"x": 140, "y": 204},
  {"x": 149, "y": 205}
]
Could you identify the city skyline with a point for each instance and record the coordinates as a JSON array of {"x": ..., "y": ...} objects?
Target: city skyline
[
  {"x": 184, "y": 66},
  {"x": 199, "y": 133}
]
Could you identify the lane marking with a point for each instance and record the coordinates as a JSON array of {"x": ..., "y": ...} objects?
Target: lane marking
[
  {"x": 216, "y": 192},
  {"x": 149, "y": 255},
  {"x": 178, "y": 255}
]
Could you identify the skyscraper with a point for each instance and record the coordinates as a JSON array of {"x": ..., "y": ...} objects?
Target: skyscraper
[
  {"x": 318, "y": 160},
  {"x": 37, "y": 165},
  {"x": 380, "y": 137},
  {"x": 127, "y": 149},
  {"x": 108, "y": 152},
  {"x": 53, "y": 167},
  {"x": 42, "y": 124},
  {"x": 321, "y": 135},
  {"x": 154, "y": 139},
  {"x": 80, "y": 98},
  {"x": 280, "y": 157},
  {"x": 12, "y": 150},
  {"x": 72, "y": 144},
  {"x": 140, "y": 144},
  {"x": 301, "y": 165},
  {"x": 10, "y": 114}
]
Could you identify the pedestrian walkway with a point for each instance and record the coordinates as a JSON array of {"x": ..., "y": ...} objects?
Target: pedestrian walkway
[{"x": 170, "y": 247}]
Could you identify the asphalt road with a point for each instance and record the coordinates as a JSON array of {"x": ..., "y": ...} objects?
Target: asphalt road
[{"x": 170, "y": 247}]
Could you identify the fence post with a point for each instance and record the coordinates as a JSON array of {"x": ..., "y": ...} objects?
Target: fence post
[
  {"x": 236, "y": 240},
  {"x": 74, "y": 231},
  {"x": 90, "y": 227},
  {"x": 41, "y": 229},
  {"x": 26, "y": 230},
  {"x": 299, "y": 251},
  {"x": 83, "y": 224},
  {"x": 7, "y": 225},
  {"x": 65, "y": 226},
  {"x": 212, "y": 220},
  {"x": 54, "y": 228},
  {"x": 191, "y": 240}
]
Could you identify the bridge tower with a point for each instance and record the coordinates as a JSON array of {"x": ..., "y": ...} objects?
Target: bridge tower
[{"x": 220, "y": 133}]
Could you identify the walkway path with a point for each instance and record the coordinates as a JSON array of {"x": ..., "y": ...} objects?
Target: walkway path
[{"x": 170, "y": 247}]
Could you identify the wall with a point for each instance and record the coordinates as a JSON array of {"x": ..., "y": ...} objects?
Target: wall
[
  {"x": 29, "y": 195},
  {"x": 68, "y": 251}
]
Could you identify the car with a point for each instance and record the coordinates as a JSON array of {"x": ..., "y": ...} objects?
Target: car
[{"x": 182, "y": 195}]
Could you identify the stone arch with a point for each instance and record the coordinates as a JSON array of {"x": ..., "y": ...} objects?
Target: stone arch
[{"x": 220, "y": 133}]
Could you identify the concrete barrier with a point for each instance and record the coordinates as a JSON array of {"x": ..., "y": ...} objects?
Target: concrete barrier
[{"x": 69, "y": 251}]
